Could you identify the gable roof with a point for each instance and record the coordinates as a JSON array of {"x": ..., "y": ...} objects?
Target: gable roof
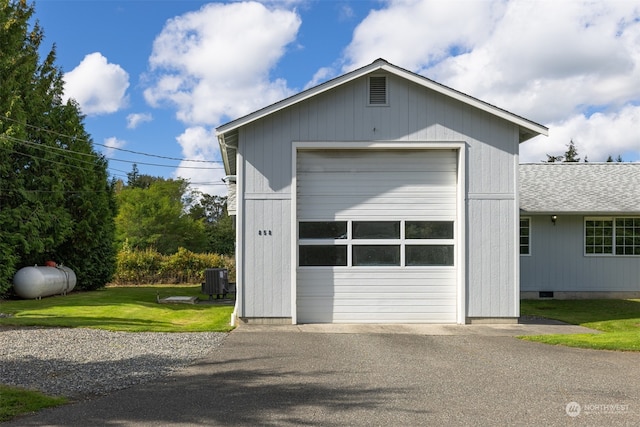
[
  {"x": 580, "y": 188},
  {"x": 227, "y": 133}
]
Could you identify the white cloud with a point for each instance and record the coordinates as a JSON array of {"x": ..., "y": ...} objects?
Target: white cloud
[
  {"x": 554, "y": 62},
  {"x": 111, "y": 145},
  {"x": 215, "y": 63},
  {"x": 135, "y": 119},
  {"x": 198, "y": 143},
  {"x": 98, "y": 86},
  {"x": 323, "y": 74},
  {"x": 415, "y": 34},
  {"x": 599, "y": 136}
]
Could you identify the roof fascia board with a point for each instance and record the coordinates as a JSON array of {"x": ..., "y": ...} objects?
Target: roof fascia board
[
  {"x": 524, "y": 212},
  {"x": 467, "y": 99},
  {"x": 381, "y": 64},
  {"x": 304, "y": 95}
]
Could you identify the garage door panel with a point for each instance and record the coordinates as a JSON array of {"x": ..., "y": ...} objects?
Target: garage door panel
[
  {"x": 353, "y": 185},
  {"x": 435, "y": 318},
  {"x": 392, "y": 179},
  {"x": 428, "y": 209},
  {"x": 377, "y": 160}
]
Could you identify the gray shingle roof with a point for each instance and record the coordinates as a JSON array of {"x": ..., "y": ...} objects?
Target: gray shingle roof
[{"x": 586, "y": 188}]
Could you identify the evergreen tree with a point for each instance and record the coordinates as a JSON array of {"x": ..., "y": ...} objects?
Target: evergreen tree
[
  {"x": 571, "y": 155},
  {"x": 54, "y": 198}
]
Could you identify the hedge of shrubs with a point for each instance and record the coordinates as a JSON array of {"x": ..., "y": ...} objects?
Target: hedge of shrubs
[{"x": 138, "y": 267}]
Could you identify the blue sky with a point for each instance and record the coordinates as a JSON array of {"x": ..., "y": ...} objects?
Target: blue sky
[{"x": 157, "y": 76}]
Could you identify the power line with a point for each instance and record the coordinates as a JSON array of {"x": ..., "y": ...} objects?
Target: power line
[
  {"x": 64, "y": 153},
  {"x": 110, "y": 147},
  {"x": 115, "y": 160},
  {"x": 51, "y": 161},
  {"x": 48, "y": 147}
]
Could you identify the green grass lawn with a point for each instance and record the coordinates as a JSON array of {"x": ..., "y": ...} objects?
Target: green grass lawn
[
  {"x": 617, "y": 320},
  {"x": 132, "y": 309},
  {"x": 15, "y": 401}
]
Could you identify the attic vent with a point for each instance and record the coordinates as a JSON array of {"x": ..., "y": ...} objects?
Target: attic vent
[{"x": 377, "y": 90}]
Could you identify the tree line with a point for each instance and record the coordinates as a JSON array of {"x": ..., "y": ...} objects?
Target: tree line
[
  {"x": 56, "y": 199},
  {"x": 167, "y": 214},
  {"x": 571, "y": 156}
]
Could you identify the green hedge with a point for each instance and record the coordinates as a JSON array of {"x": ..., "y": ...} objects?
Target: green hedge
[{"x": 138, "y": 267}]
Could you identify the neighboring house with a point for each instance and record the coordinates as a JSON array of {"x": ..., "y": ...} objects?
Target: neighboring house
[
  {"x": 580, "y": 230},
  {"x": 377, "y": 197}
]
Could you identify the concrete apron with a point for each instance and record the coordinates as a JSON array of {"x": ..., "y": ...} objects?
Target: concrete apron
[{"x": 535, "y": 326}]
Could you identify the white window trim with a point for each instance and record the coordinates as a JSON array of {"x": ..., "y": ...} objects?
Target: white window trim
[
  {"x": 528, "y": 218},
  {"x": 613, "y": 242}
]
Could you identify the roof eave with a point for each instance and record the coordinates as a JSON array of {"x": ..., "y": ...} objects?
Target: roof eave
[
  {"x": 528, "y": 128},
  {"x": 579, "y": 213}
]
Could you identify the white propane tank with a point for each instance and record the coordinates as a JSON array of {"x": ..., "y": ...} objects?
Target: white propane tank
[{"x": 37, "y": 282}]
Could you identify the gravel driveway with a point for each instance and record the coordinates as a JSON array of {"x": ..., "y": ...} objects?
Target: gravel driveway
[
  {"x": 273, "y": 377},
  {"x": 82, "y": 363}
]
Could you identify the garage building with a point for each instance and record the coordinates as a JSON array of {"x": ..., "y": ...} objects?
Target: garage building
[{"x": 377, "y": 197}]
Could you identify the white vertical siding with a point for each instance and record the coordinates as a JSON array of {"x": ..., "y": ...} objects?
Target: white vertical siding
[
  {"x": 490, "y": 256},
  {"x": 267, "y": 258},
  {"x": 414, "y": 114},
  {"x": 557, "y": 261}
]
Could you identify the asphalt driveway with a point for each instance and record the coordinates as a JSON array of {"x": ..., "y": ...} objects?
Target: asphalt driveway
[{"x": 296, "y": 376}]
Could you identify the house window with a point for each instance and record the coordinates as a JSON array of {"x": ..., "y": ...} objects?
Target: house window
[
  {"x": 375, "y": 243},
  {"x": 598, "y": 236},
  {"x": 627, "y": 236},
  {"x": 525, "y": 236},
  {"x": 612, "y": 236}
]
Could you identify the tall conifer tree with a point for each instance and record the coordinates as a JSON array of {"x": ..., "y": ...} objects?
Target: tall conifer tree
[{"x": 55, "y": 199}]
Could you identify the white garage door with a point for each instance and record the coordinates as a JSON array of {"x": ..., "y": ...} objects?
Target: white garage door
[{"x": 376, "y": 236}]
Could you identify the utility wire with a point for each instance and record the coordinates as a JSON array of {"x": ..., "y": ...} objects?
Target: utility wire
[
  {"x": 48, "y": 147},
  {"x": 109, "y": 147},
  {"x": 51, "y": 161},
  {"x": 115, "y": 160},
  {"x": 80, "y": 161}
]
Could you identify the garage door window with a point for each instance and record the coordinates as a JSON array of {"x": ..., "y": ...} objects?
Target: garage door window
[
  {"x": 376, "y": 255},
  {"x": 429, "y": 229},
  {"x": 376, "y": 243},
  {"x": 429, "y": 255},
  {"x": 376, "y": 229},
  {"x": 323, "y": 230},
  {"x": 323, "y": 255}
]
